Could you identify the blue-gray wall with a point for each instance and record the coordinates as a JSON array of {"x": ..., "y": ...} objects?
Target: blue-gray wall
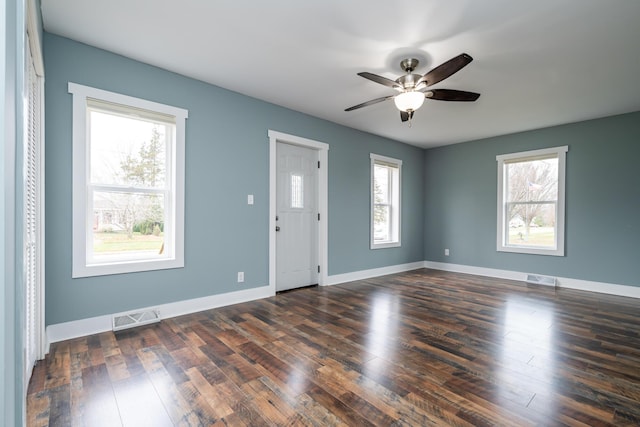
[
  {"x": 449, "y": 193},
  {"x": 226, "y": 159},
  {"x": 602, "y": 202}
]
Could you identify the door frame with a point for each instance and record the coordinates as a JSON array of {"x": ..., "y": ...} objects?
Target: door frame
[{"x": 322, "y": 201}]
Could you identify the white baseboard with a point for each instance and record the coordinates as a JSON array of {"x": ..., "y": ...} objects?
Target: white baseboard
[
  {"x": 479, "y": 271},
  {"x": 562, "y": 282},
  {"x": 94, "y": 325},
  {"x": 374, "y": 272},
  {"x": 600, "y": 287}
]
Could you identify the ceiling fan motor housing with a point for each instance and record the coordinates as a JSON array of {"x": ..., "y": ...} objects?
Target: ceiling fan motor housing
[{"x": 408, "y": 81}]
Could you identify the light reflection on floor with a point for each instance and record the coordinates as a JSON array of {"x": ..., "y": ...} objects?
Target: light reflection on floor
[
  {"x": 527, "y": 345},
  {"x": 383, "y": 325},
  {"x": 297, "y": 378}
]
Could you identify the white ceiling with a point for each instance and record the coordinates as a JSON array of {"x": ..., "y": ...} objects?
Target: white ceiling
[{"x": 536, "y": 63}]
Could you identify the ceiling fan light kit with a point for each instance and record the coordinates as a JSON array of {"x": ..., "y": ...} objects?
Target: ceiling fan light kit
[
  {"x": 412, "y": 87},
  {"x": 409, "y": 101}
]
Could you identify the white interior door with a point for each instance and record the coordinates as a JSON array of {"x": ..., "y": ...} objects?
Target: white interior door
[{"x": 296, "y": 216}]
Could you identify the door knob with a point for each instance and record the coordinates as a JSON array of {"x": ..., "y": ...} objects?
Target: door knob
[{"x": 277, "y": 228}]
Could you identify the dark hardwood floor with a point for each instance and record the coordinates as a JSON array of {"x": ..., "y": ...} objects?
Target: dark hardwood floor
[{"x": 419, "y": 348}]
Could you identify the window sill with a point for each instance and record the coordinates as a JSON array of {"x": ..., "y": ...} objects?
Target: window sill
[
  {"x": 530, "y": 250},
  {"x": 385, "y": 245},
  {"x": 125, "y": 267}
]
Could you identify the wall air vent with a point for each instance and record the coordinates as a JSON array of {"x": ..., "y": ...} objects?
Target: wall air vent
[
  {"x": 131, "y": 320},
  {"x": 537, "y": 279}
]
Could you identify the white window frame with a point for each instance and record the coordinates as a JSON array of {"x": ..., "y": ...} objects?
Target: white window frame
[
  {"x": 502, "y": 225},
  {"x": 81, "y": 215},
  {"x": 396, "y": 202}
]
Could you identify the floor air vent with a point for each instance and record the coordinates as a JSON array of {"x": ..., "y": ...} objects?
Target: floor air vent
[
  {"x": 131, "y": 320},
  {"x": 541, "y": 280}
]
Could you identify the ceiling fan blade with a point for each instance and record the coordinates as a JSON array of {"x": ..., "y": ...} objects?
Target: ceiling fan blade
[
  {"x": 445, "y": 70},
  {"x": 381, "y": 80},
  {"x": 366, "y": 104},
  {"x": 452, "y": 95}
]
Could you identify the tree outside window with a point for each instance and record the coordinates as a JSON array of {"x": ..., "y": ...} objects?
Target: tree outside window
[
  {"x": 128, "y": 167},
  {"x": 532, "y": 196}
]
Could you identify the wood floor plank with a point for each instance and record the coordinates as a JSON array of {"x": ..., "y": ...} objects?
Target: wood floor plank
[
  {"x": 307, "y": 411},
  {"x": 337, "y": 407},
  {"x": 117, "y": 367},
  {"x": 99, "y": 407},
  {"x": 59, "y": 406},
  {"x": 271, "y": 406},
  {"x": 58, "y": 366},
  {"x": 128, "y": 352},
  {"x": 80, "y": 360},
  {"x": 176, "y": 406},
  {"x": 139, "y": 403},
  {"x": 211, "y": 393},
  {"x": 95, "y": 352},
  {"x": 276, "y": 368},
  {"x": 39, "y": 406},
  {"x": 38, "y": 376},
  {"x": 424, "y": 348}
]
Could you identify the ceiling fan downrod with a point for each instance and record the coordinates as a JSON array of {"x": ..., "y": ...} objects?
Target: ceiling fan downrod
[{"x": 409, "y": 64}]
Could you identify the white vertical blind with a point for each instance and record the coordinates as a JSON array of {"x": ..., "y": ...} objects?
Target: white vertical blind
[{"x": 32, "y": 221}]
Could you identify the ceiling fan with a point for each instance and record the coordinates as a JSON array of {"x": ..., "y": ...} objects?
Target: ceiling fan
[{"x": 413, "y": 87}]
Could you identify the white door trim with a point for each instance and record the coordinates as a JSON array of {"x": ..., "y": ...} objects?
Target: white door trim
[{"x": 323, "y": 197}]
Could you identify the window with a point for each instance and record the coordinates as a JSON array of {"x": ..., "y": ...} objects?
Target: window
[
  {"x": 128, "y": 183},
  {"x": 531, "y": 192},
  {"x": 386, "y": 176},
  {"x": 297, "y": 191}
]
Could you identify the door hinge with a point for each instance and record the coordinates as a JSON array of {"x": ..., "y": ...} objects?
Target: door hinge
[
  {"x": 318, "y": 269},
  {"x": 318, "y": 217},
  {"x": 318, "y": 164}
]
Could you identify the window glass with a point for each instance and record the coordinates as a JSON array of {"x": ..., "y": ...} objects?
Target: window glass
[
  {"x": 297, "y": 191},
  {"x": 532, "y": 198},
  {"x": 127, "y": 151},
  {"x": 381, "y": 208},
  {"x": 531, "y": 202}
]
